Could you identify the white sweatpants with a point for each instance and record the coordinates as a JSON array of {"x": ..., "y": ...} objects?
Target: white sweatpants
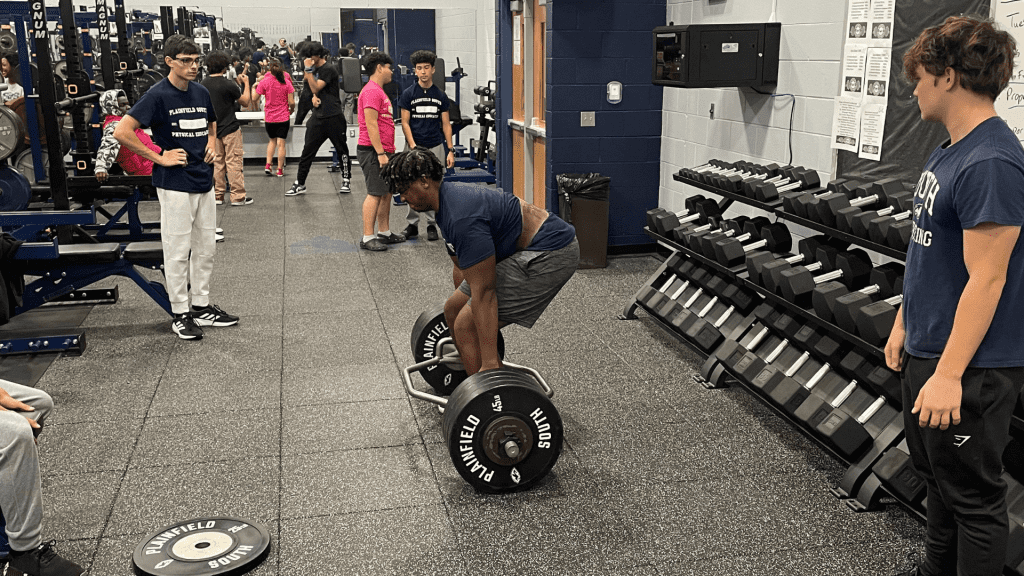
[{"x": 187, "y": 224}]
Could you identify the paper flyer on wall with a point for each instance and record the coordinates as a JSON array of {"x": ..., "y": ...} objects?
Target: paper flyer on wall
[
  {"x": 853, "y": 70},
  {"x": 876, "y": 78},
  {"x": 846, "y": 124},
  {"x": 872, "y": 129},
  {"x": 858, "y": 18},
  {"x": 517, "y": 41},
  {"x": 883, "y": 14}
]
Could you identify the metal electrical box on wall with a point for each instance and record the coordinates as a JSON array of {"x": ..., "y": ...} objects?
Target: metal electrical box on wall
[{"x": 717, "y": 55}]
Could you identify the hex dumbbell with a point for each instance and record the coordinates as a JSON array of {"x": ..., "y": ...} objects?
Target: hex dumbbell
[
  {"x": 774, "y": 237},
  {"x": 874, "y": 321},
  {"x": 878, "y": 228},
  {"x": 885, "y": 278},
  {"x": 770, "y": 191},
  {"x": 797, "y": 284},
  {"x": 807, "y": 248}
]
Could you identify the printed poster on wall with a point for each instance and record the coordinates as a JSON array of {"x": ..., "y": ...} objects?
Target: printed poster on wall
[
  {"x": 876, "y": 77},
  {"x": 883, "y": 14},
  {"x": 1010, "y": 103},
  {"x": 858, "y": 18},
  {"x": 853, "y": 70},
  {"x": 517, "y": 41},
  {"x": 872, "y": 128},
  {"x": 846, "y": 124}
]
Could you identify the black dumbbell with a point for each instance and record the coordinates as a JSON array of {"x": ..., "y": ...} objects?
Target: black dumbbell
[
  {"x": 899, "y": 234},
  {"x": 706, "y": 210},
  {"x": 878, "y": 228},
  {"x": 849, "y": 305},
  {"x": 693, "y": 173},
  {"x": 874, "y": 321},
  {"x": 774, "y": 237},
  {"x": 807, "y": 248},
  {"x": 736, "y": 183},
  {"x": 750, "y": 185},
  {"x": 885, "y": 277},
  {"x": 704, "y": 243},
  {"x": 797, "y": 284},
  {"x": 836, "y": 412},
  {"x": 739, "y": 356},
  {"x": 855, "y": 221},
  {"x": 875, "y": 193},
  {"x": 770, "y": 191},
  {"x": 690, "y": 236},
  {"x": 698, "y": 208},
  {"x": 728, "y": 180},
  {"x": 899, "y": 477},
  {"x": 824, "y": 260},
  {"x": 797, "y": 202}
]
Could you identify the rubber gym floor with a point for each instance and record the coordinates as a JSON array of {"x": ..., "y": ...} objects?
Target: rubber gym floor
[{"x": 297, "y": 418}]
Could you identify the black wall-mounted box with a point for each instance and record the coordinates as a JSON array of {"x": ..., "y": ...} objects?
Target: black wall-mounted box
[{"x": 717, "y": 55}]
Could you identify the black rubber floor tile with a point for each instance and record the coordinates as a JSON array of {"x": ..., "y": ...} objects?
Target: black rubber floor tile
[
  {"x": 336, "y": 380},
  {"x": 220, "y": 377},
  {"x": 402, "y": 541},
  {"x": 357, "y": 481},
  {"x": 82, "y": 387},
  {"x": 87, "y": 446},
  {"x": 589, "y": 540},
  {"x": 567, "y": 473},
  {"x": 76, "y": 506},
  {"x": 206, "y": 437},
  {"x": 330, "y": 427},
  {"x": 327, "y": 299},
  {"x": 154, "y": 497},
  {"x": 356, "y": 336}
]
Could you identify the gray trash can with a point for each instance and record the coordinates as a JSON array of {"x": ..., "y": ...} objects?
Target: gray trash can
[{"x": 583, "y": 202}]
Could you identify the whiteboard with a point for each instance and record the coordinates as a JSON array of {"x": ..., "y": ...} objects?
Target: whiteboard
[{"x": 1009, "y": 15}]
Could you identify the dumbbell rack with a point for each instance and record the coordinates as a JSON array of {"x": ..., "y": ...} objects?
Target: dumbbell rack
[{"x": 871, "y": 493}]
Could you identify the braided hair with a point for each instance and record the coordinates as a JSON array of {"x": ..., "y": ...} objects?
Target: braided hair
[{"x": 407, "y": 167}]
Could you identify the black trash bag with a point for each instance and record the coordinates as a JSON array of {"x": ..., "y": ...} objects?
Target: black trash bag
[{"x": 590, "y": 186}]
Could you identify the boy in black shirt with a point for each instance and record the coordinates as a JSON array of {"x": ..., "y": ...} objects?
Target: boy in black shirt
[
  {"x": 327, "y": 122},
  {"x": 227, "y": 165}
]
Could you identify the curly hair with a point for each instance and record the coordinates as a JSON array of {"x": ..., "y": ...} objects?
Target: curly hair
[
  {"x": 981, "y": 54},
  {"x": 407, "y": 167},
  {"x": 423, "y": 57},
  {"x": 217, "y": 62},
  {"x": 375, "y": 59}
]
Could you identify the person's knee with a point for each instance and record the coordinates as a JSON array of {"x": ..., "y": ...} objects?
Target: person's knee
[
  {"x": 43, "y": 405},
  {"x": 454, "y": 304},
  {"x": 14, "y": 431}
]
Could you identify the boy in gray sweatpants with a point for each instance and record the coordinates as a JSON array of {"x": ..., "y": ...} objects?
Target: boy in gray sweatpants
[{"x": 22, "y": 413}]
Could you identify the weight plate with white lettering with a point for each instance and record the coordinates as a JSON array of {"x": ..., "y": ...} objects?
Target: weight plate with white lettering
[
  {"x": 503, "y": 432},
  {"x": 214, "y": 546},
  {"x": 428, "y": 329}
]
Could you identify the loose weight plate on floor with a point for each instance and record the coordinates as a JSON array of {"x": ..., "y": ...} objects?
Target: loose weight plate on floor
[
  {"x": 213, "y": 546},
  {"x": 502, "y": 431},
  {"x": 428, "y": 329}
]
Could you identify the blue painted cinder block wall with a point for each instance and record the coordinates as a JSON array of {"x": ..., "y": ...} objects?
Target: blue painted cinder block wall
[
  {"x": 591, "y": 43},
  {"x": 409, "y": 31}
]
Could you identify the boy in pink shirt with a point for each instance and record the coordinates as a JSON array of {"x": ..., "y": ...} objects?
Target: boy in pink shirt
[{"x": 376, "y": 144}]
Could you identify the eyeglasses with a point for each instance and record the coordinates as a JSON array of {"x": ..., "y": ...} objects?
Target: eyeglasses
[{"x": 188, "y": 62}]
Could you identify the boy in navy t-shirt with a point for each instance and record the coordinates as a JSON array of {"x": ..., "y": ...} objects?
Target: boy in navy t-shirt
[
  {"x": 959, "y": 336},
  {"x": 512, "y": 258},
  {"x": 181, "y": 115},
  {"x": 425, "y": 123}
]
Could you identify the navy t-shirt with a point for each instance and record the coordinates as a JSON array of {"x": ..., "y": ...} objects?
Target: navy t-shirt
[
  {"x": 979, "y": 179},
  {"x": 479, "y": 222},
  {"x": 425, "y": 108},
  {"x": 179, "y": 119}
]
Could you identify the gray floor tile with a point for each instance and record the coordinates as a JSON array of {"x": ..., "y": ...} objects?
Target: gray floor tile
[
  {"x": 357, "y": 481},
  {"x": 87, "y": 446},
  {"x": 154, "y": 497},
  {"x": 329, "y": 427},
  {"x": 208, "y": 437},
  {"x": 76, "y": 506},
  {"x": 402, "y": 541},
  {"x": 337, "y": 380}
]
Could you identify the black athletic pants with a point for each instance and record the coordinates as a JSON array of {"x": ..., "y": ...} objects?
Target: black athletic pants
[
  {"x": 962, "y": 465},
  {"x": 318, "y": 131}
]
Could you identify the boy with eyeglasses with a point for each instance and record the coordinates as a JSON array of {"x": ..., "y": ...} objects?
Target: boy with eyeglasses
[{"x": 181, "y": 115}]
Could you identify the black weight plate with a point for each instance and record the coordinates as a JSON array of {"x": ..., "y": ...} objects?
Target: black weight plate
[
  {"x": 26, "y": 168},
  {"x": 8, "y": 41},
  {"x": 15, "y": 191},
  {"x": 488, "y": 405},
  {"x": 214, "y": 546},
  {"x": 426, "y": 331},
  {"x": 12, "y": 132}
]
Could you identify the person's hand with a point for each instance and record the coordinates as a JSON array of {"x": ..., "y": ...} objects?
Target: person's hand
[
  {"x": 291, "y": 108},
  {"x": 383, "y": 158},
  {"x": 101, "y": 175},
  {"x": 172, "y": 158},
  {"x": 451, "y": 159},
  {"x": 484, "y": 367},
  {"x": 938, "y": 403},
  {"x": 316, "y": 102},
  {"x": 894, "y": 347},
  {"x": 309, "y": 62},
  {"x": 210, "y": 155},
  {"x": 245, "y": 69},
  {"x": 7, "y": 402}
]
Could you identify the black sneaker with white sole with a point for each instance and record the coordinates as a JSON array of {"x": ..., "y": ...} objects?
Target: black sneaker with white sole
[
  {"x": 211, "y": 315},
  {"x": 44, "y": 561},
  {"x": 295, "y": 190},
  {"x": 186, "y": 328},
  {"x": 346, "y": 187}
]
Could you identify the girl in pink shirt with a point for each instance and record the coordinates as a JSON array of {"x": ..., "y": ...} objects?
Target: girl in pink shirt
[{"x": 279, "y": 101}]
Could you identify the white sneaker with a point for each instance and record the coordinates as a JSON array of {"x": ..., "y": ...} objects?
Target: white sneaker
[
  {"x": 218, "y": 237},
  {"x": 245, "y": 201},
  {"x": 218, "y": 202},
  {"x": 345, "y": 187}
]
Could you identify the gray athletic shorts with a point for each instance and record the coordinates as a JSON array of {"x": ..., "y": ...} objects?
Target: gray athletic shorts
[
  {"x": 370, "y": 166},
  {"x": 527, "y": 281}
]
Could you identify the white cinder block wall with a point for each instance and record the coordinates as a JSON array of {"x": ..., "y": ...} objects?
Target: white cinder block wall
[
  {"x": 750, "y": 126},
  {"x": 468, "y": 35}
]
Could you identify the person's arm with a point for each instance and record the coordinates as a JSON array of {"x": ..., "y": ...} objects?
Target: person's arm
[
  {"x": 245, "y": 98},
  {"x": 406, "y": 115},
  {"x": 987, "y": 249},
  {"x": 211, "y": 144},
  {"x": 107, "y": 153},
  {"x": 481, "y": 278},
  {"x": 291, "y": 102},
  {"x": 446, "y": 127},
  {"x": 315, "y": 86},
  {"x": 125, "y": 134},
  {"x": 373, "y": 133}
]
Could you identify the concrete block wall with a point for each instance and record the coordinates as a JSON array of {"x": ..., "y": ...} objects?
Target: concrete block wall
[
  {"x": 468, "y": 35},
  {"x": 750, "y": 126}
]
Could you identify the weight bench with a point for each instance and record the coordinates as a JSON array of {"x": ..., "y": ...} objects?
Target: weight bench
[
  {"x": 78, "y": 265},
  {"x": 88, "y": 191}
]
